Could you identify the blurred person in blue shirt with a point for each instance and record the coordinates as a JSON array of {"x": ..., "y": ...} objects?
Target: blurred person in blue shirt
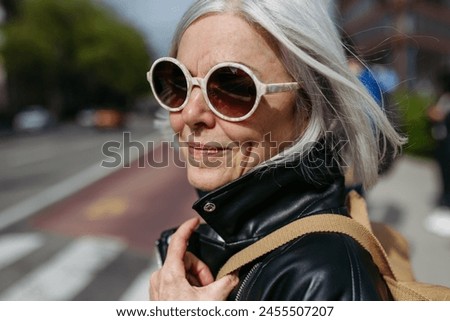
[{"x": 367, "y": 78}]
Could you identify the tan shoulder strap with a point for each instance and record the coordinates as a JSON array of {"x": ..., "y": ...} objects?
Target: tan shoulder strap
[
  {"x": 357, "y": 208},
  {"x": 331, "y": 223}
]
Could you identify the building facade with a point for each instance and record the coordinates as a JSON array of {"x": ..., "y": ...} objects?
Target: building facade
[{"x": 410, "y": 36}]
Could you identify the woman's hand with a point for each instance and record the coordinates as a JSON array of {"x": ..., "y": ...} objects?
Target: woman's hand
[{"x": 184, "y": 277}]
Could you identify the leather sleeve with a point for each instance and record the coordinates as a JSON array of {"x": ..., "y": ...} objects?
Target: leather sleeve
[{"x": 321, "y": 266}]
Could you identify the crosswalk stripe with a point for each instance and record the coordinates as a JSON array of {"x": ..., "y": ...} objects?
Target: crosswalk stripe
[
  {"x": 62, "y": 277},
  {"x": 138, "y": 290},
  {"x": 15, "y": 246}
]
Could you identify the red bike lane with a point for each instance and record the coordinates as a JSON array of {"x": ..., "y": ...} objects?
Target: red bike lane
[{"x": 134, "y": 203}]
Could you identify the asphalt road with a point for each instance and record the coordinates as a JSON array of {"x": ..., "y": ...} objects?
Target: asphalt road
[{"x": 35, "y": 161}]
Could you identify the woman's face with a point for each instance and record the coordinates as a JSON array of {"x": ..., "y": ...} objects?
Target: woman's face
[{"x": 219, "y": 151}]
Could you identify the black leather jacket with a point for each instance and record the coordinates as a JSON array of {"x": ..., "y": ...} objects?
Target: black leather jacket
[{"x": 321, "y": 266}]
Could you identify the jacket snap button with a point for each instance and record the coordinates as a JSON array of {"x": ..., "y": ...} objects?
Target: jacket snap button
[{"x": 209, "y": 207}]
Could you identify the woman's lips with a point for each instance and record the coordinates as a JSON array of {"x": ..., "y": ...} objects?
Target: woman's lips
[{"x": 198, "y": 149}]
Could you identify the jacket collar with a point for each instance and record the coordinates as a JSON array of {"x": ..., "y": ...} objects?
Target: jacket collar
[{"x": 263, "y": 200}]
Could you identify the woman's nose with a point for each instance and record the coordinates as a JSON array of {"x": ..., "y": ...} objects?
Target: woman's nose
[{"x": 197, "y": 113}]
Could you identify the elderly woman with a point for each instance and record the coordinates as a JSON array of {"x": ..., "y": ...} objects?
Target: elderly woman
[{"x": 268, "y": 117}]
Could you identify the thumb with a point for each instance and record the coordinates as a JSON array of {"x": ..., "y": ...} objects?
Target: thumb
[{"x": 220, "y": 289}]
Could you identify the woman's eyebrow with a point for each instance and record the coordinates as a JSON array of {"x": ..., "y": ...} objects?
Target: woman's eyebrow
[{"x": 211, "y": 66}]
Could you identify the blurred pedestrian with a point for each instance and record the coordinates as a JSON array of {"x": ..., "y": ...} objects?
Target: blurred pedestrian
[
  {"x": 362, "y": 70},
  {"x": 439, "y": 117},
  {"x": 268, "y": 116}
]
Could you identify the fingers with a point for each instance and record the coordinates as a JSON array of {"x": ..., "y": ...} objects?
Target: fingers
[
  {"x": 185, "y": 277},
  {"x": 154, "y": 286},
  {"x": 178, "y": 244},
  {"x": 198, "y": 272},
  {"x": 216, "y": 291},
  {"x": 165, "y": 283},
  {"x": 220, "y": 289}
]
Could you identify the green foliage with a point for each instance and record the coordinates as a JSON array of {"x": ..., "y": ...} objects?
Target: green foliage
[
  {"x": 72, "y": 53},
  {"x": 413, "y": 108}
]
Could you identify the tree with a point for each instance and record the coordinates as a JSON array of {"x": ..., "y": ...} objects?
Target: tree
[{"x": 70, "y": 54}]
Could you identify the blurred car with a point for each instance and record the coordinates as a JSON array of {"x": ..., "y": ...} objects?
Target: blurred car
[
  {"x": 33, "y": 118},
  {"x": 109, "y": 118},
  {"x": 86, "y": 118}
]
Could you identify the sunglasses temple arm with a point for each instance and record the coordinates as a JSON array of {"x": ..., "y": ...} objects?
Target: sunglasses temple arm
[{"x": 277, "y": 88}]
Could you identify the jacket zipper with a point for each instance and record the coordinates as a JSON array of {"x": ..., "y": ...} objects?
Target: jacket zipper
[{"x": 246, "y": 280}]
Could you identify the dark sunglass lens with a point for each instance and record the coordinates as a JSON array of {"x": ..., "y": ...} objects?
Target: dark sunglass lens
[
  {"x": 170, "y": 84},
  {"x": 231, "y": 91}
]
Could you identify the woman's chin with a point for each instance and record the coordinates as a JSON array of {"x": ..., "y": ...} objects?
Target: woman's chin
[{"x": 209, "y": 179}]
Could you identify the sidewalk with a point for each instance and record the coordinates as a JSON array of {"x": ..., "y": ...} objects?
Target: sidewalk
[{"x": 403, "y": 198}]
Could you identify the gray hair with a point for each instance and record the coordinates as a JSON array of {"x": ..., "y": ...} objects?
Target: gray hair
[{"x": 333, "y": 98}]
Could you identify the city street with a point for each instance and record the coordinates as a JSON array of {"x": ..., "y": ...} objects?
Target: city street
[
  {"x": 71, "y": 229},
  {"x": 32, "y": 162}
]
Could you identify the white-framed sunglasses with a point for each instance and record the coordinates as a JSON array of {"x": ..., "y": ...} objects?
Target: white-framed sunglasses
[{"x": 231, "y": 90}]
